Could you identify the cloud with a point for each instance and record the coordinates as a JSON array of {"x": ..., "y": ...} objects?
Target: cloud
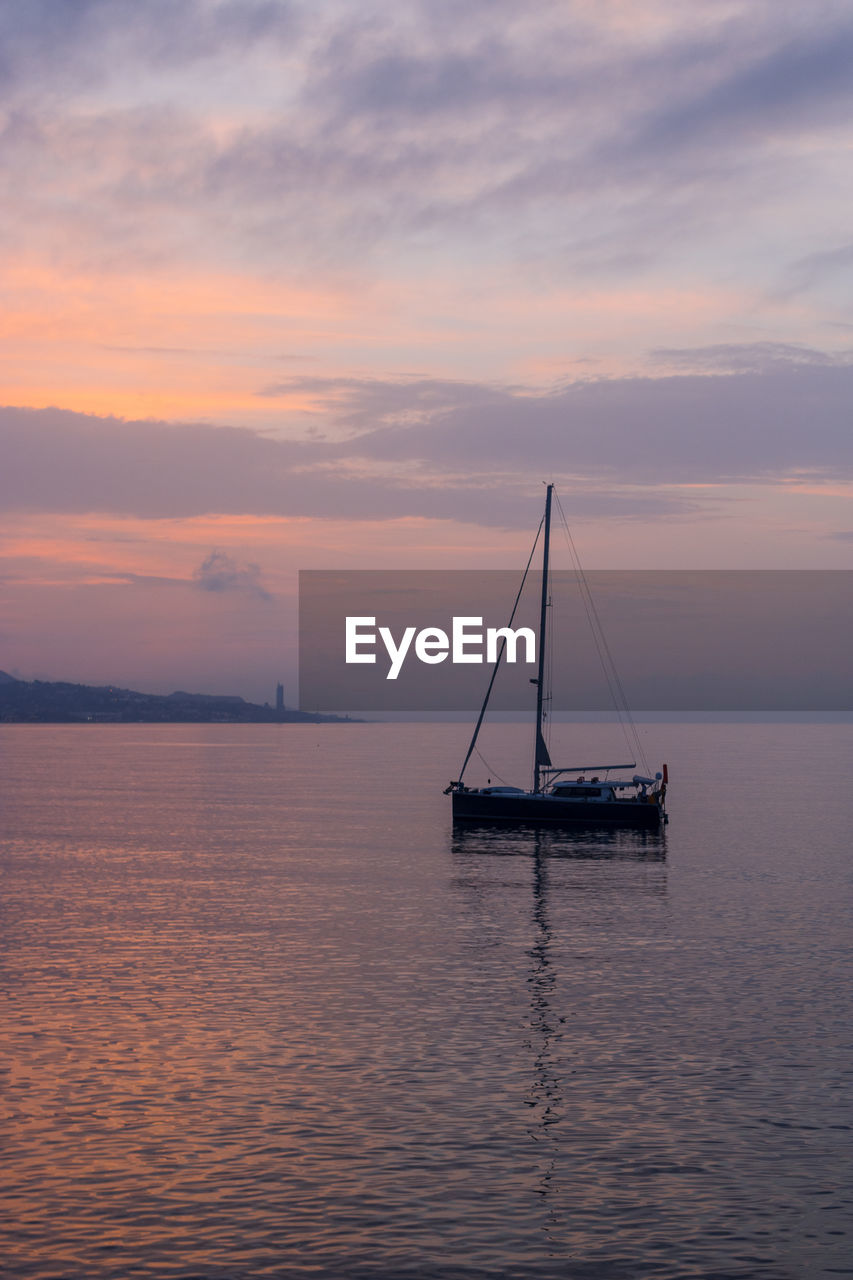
[
  {"x": 817, "y": 268},
  {"x": 778, "y": 84},
  {"x": 789, "y": 417},
  {"x": 749, "y": 357},
  {"x": 324, "y": 131},
  {"x": 622, "y": 447},
  {"x": 53, "y": 44},
  {"x": 358, "y": 404},
  {"x": 218, "y": 572},
  {"x": 62, "y": 461}
]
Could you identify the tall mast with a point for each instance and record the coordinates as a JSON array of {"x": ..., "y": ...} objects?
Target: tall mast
[{"x": 540, "y": 755}]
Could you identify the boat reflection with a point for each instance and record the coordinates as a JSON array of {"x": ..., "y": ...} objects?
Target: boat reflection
[{"x": 519, "y": 840}]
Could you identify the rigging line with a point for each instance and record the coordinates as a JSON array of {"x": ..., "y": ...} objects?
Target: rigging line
[
  {"x": 597, "y": 638},
  {"x": 621, "y": 704},
  {"x": 482, "y": 714},
  {"x": 613, "y": 668},
  {"x": 489, "y": 768},
  {"x": 620, "y": 700}
]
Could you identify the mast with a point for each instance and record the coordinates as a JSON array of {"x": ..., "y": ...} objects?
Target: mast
[{"x": 540, "y": 755}]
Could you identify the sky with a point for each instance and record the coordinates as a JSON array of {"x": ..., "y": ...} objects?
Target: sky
[{"x": 294, "y": 285}]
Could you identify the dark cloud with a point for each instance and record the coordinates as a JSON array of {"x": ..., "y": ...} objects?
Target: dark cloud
[
  {"x": 378, "y": 75},
  {"x": 402, "y": 122},
  {"x": 815, "y": 268},
  {"x": 785, "y": 83},
  {"x": 680, "y": 429},
  {"x": 748, "y": 357},
  {"x": 450, "y": 450},
  {"x": 575, "y": 110},
  {"x": 360, "y": 404},
  {"x": 218, "y": 572},
  {"x": 49, "y": 45},
  {"x": 60, "y": 461}
]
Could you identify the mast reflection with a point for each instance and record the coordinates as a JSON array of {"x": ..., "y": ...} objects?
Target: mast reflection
[
  {"x": 545, "y": 1095},
  {"x": 562, "y": 893}
]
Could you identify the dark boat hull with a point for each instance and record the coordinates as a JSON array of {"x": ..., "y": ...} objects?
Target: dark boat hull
[{"x": 473, "y": 806}]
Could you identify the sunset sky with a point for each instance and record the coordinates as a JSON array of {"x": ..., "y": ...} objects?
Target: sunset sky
[{"x": 331, "y": 285}]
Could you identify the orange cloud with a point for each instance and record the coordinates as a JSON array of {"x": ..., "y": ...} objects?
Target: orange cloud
[
  {"x": 183, "y": 345},
  {"x": 56, "y": 548}
]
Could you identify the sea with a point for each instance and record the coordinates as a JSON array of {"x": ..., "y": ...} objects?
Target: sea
[{"x": 268, "y": 1014}]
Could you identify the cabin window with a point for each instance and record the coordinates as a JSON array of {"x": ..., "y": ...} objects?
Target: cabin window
[{"x": 577, "y": 793}]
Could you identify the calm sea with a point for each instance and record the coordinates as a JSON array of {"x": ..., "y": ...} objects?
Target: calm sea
[{"x": 267, "y": 1014}]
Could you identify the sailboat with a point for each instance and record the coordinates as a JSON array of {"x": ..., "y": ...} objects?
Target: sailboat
[{"x": 600, "y": 795}]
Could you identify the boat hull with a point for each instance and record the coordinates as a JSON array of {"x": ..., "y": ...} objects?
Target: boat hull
[{"x": 474, "y": 806}]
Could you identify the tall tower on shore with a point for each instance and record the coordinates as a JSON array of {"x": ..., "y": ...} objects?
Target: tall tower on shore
[{"x": 279, "y": 698}]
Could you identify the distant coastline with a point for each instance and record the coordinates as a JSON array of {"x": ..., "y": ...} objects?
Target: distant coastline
[{"x": 59, "y": 702}]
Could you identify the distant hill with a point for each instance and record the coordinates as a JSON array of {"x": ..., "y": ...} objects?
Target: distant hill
[{"x": 55, "y": 702}]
